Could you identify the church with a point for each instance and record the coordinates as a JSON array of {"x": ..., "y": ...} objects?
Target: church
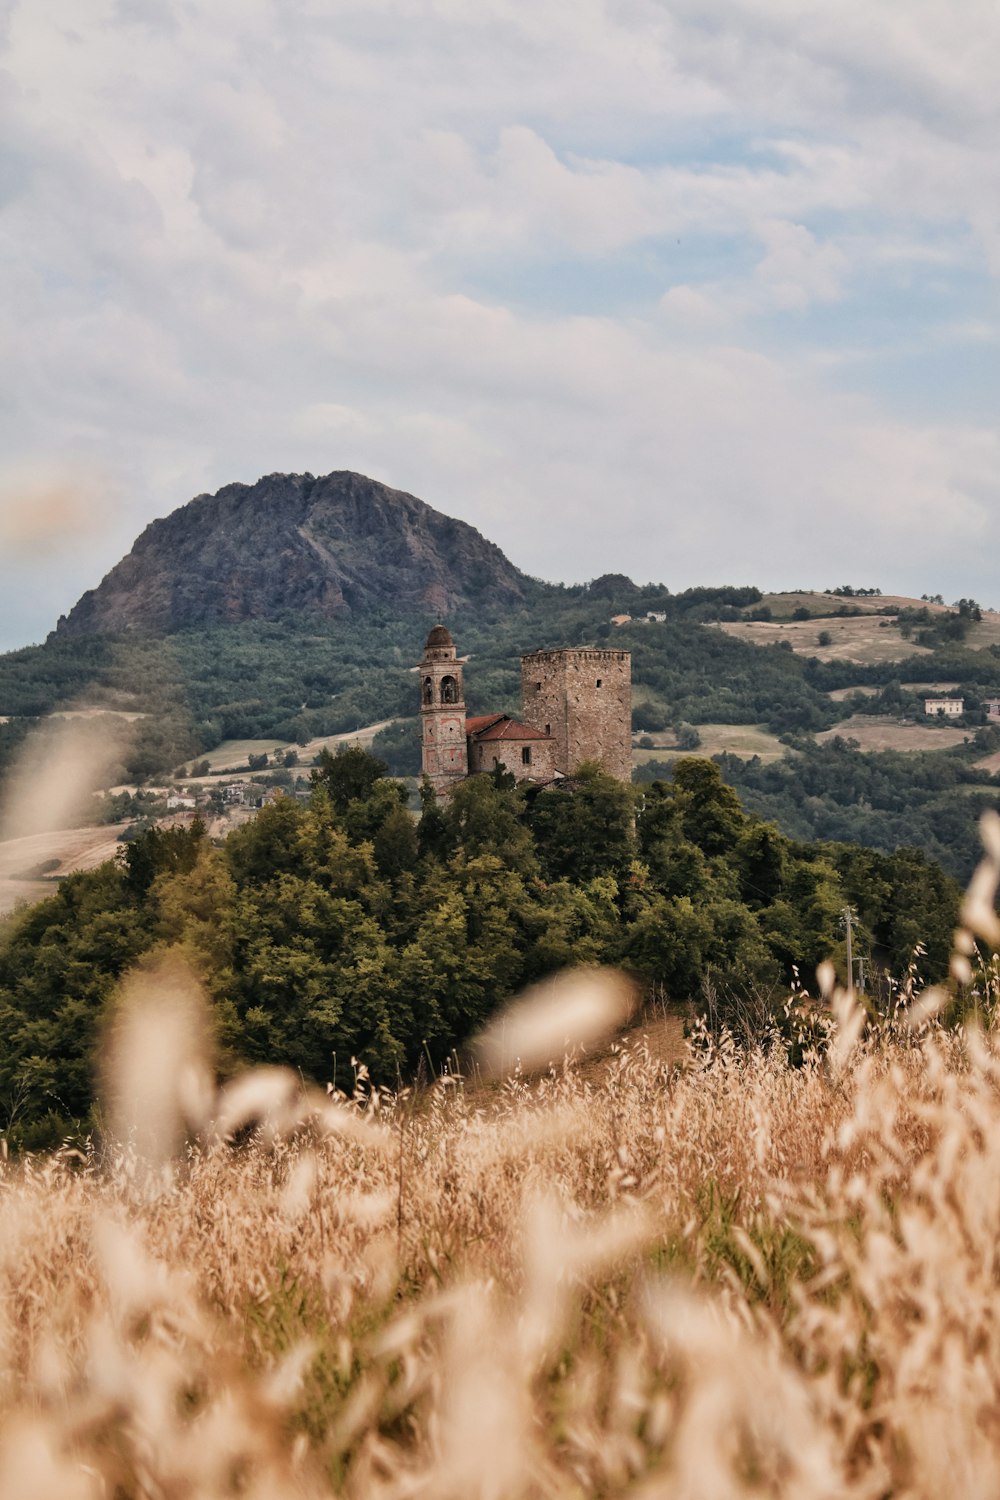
[{"x": 576, "y": 705}]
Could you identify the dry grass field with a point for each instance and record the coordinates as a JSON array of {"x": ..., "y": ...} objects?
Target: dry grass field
[
  {"x": 62, "y": 852},
  {"x": 866, "y": 638},
  {"x": 746, "y": 740},
  {"x": 232, "y": 755},
  {"x": 838, "y": 695},
  {"x": 878, "y": 732},
  {"x": 859, "y": 638}
]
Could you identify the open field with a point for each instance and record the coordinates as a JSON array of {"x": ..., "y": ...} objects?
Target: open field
[
  {"x": 746, "y": 740},
  {"x": 875, "y": 732},
  {"x": 838, "y": 695},
  {"x": 232, "y": 755},
  {"x": 67, "y": 850},
  {"x": 860, "y": 638},
  {"x": 820, "y": 605},
  {"x": 736, "y": 1278}
]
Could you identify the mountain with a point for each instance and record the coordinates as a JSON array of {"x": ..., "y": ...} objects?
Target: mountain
[{"x": 337, "y": 546}]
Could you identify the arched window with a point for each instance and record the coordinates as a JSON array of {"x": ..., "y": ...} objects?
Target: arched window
[
  {"x": 428, "y": 691},
  {"x": 449, "y": 690}
]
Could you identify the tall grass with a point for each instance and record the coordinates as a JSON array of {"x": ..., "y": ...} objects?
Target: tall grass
[{"x": 739, "y": 1277}]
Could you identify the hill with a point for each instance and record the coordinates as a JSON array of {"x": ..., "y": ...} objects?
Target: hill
[{"x": 328, "y": 548}]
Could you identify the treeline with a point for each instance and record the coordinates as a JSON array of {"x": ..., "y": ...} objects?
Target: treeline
[
  {"x": 930, "y": 800},
  {"x": 345, "y": 927}
]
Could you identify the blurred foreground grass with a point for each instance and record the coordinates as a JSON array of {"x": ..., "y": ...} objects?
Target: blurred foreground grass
[{"x": 736, "y": 1278}]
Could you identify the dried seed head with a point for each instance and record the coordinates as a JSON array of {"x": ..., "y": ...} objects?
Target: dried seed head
[
  {"x": 157, "y": 1082},
  {"x": 56, "y": 773},
  {"x": 551, "y": 1020}
]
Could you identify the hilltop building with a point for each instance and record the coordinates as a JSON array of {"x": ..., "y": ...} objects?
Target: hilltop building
[{"x": 576, "y": 705}]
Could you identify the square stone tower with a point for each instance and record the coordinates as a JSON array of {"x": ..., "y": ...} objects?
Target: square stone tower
[{"x": 583, "y": 699}]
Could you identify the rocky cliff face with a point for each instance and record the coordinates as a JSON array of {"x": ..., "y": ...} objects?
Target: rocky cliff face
[{"x": 336, "y": 546}]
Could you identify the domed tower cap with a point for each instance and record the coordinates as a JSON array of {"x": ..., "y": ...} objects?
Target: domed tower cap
[{"x": 439, "y": 636}]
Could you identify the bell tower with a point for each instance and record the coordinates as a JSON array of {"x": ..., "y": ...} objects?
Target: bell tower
[{"x": 445, "y": 756}]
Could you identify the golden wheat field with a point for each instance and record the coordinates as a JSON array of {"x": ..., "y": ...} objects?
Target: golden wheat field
[{"x": 742, "y": 1276}]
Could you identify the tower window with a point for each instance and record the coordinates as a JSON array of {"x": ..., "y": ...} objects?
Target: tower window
[
  {"x": 526, "y": 756},
  {"x": 449, "y": 690},
  {"x": 538, "y": 687},
  {"x": 598, "y": 682},
  {"x": 548, "y": 729},
  {"x": 428, "y": 691}
]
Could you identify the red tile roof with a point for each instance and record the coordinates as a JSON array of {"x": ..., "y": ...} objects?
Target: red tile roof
[
  {"x": 501, "y": 727},
  {"x": 481, "y": 721}
]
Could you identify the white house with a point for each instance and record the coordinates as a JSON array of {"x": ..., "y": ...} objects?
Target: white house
[{"x": 947, "y": 708}]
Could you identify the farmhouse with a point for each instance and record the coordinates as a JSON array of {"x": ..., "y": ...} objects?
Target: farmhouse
[
  {"x": 576, "y": 706},
  {"x": 948, "y": 708}
]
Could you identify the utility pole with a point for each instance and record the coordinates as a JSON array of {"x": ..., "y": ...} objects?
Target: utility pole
[{"x": 847, "y": 916}]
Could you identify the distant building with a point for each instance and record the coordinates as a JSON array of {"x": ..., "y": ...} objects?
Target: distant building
[
  {"x": 576, "y": 706},
  {"x": 621, "y": 619},
  {"x": 239, "y": 792},
  {"x": 176, "y": 801},
  {"x": 992, "y": 707},
  {"x": 948, "y": 708},
  {"x": 657, "y": 616}
]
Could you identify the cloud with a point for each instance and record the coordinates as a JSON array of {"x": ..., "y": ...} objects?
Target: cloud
[{"x": 562, "y": 269}]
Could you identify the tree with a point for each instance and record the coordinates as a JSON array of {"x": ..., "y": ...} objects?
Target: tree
[
  {"x": 711, "y": 815},
  {"x": 347, "y": 776},
  {"x": 585, "y": 830},
  {"x": 396, "y": 848}
]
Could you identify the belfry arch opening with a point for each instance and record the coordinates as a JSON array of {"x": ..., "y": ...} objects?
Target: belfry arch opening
[
  {"x": 449, "y": 690},
  {"x": 428, "y": 690}
]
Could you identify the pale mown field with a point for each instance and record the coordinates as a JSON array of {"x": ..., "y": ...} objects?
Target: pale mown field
[
  {"x": 745, "y": 740},
  {"x": 61, "y": 852},
  {"x": 232, "y": 755},
  {"x": 878, "y": 732},
  {"x": 860, "y": 638}
]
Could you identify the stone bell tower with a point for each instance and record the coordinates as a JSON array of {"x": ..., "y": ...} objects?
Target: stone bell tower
[{"x": 442, "y": 713}]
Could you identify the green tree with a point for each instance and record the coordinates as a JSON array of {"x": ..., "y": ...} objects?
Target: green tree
[
  {"x": 586, "y": 830},
  {"x": 349, "y": 776}
]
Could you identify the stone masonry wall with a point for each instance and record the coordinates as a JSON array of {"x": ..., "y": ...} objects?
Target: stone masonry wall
[
  {"x": 483, "y": 754},
  {"x": 582, "y": 698}
]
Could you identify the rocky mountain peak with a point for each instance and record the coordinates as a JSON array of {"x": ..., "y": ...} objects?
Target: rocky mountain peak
[{"x": 339, "y": 545}]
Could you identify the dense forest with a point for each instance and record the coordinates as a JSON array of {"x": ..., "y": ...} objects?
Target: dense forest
[
  {"x": 344, "y": 927},
  {"x": 929, "y": 799}
]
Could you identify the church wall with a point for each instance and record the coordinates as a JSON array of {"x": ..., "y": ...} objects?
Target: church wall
[{"x": 510, "y": 752}]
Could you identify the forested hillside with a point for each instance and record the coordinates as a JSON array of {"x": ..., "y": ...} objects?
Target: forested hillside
[{"x": 343, "y": 928}]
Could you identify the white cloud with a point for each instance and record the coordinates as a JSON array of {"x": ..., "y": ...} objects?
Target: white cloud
[
  {"x": 797, "y": 270},
  {"x": 255, "y": 235}
]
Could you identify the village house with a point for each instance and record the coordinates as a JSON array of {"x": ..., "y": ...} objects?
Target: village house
[
  {"x": 992, "y": 707},
  {"x": 948, "y": 708},
  {"x": 576, "y": 706}
]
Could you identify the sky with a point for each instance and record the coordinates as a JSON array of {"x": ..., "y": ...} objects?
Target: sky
[{"x": 701, "y": 291}]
